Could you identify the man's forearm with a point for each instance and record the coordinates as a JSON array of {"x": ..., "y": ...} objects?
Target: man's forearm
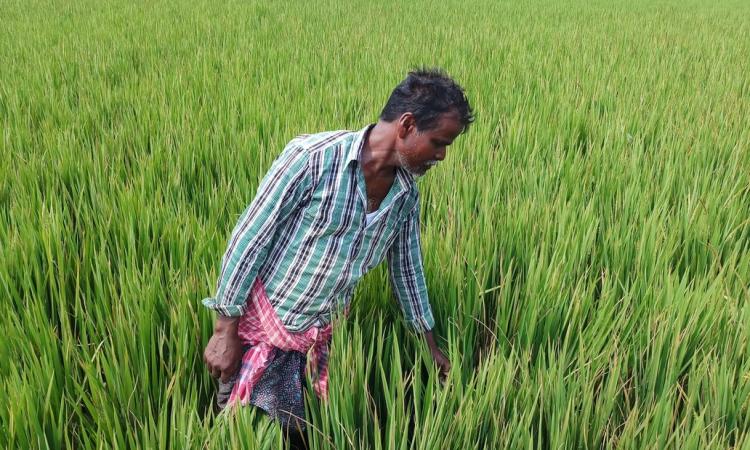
[
  {"x": 430, "y": 340},
  {"x": 223, "y": 354}
]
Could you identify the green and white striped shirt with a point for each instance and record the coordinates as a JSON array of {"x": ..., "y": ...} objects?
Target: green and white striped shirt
[{"x": 306, "y": 237}]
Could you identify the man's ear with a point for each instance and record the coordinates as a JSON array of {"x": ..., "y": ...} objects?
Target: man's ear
[{"x": 406, "y": 125}]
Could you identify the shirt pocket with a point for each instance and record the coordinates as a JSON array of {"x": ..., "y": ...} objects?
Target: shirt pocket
[{"x": 330, "y": 214}]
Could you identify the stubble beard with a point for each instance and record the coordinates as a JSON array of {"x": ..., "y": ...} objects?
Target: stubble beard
[{"x": 416, "y": 172}]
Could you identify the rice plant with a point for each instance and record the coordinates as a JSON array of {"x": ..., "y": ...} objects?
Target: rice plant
[{"x": 585, "y": 244}]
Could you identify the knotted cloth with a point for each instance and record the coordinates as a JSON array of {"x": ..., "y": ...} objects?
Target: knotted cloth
[{"x": 261, "y": 329}]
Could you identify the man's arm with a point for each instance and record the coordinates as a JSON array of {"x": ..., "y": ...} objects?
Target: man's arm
[
  {"x": 282, "y": 191},
  {"x": 440, "y": 359},
  {"x": 407, "y": 278}
]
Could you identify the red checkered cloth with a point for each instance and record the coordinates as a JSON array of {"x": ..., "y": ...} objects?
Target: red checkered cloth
[{"x": 262, "y": 329}]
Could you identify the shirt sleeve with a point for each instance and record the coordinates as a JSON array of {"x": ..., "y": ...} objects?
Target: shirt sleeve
[
  {"x": 284, "y": 188},
  {"x": 407, "y": 275}
]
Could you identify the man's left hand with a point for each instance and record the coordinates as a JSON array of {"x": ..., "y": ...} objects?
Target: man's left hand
[{"x": 441, "y": 360}]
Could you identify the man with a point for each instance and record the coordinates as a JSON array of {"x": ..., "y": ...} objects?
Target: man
[{"x": 332, "y": 207}]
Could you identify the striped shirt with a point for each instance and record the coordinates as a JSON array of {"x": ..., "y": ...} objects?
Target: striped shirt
[{"x": 305, "y": 236}]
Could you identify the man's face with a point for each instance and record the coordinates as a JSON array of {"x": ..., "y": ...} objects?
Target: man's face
[{"x": 419, "y": 151}]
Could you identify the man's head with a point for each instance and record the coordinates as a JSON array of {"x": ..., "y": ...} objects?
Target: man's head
[{"x": 429, "y": 111}]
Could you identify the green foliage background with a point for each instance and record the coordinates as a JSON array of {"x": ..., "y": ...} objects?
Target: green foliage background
[{"x": 586, "y": 243}]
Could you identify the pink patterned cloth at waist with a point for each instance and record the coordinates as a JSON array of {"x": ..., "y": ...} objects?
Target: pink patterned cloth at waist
[{"x": 262, "y": 329}]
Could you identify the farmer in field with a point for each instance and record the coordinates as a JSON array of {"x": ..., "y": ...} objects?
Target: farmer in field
[{"x": 332, "y": 207}]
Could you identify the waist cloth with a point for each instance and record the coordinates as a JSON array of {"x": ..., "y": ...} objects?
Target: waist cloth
[{"x": 272, "y": 373}]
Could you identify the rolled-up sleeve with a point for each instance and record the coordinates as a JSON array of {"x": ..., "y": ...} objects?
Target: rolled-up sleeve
[
  {"x": 284, "y": 188},
  {"x": 407, "y": 275}
]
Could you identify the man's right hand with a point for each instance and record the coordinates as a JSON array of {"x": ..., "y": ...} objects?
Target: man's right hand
[{"x": 223, "y": 354}]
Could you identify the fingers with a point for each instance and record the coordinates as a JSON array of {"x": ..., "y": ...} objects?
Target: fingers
[
  {"x": 444, "y": 366},
  {"x": 212, "y": 369},
  {"x": 209, "y": 366},
  {"x": 442, "y": 377},
  {"x": 443, "y": 363},
  {"x": 223, "y": 374},
  {"x": 227, "y": 375},
  {"x": 221, "y": 368}
]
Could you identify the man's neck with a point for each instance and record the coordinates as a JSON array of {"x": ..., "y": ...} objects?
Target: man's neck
[{"x": 378, "y": 156}]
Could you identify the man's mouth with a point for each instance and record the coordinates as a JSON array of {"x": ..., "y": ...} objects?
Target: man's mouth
[
  {"x": 431, "y": 164},
  {"x": 423, "y": 168}
]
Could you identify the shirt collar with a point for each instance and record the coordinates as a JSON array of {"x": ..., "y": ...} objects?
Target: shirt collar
[{"x": 359, "y": 142}]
